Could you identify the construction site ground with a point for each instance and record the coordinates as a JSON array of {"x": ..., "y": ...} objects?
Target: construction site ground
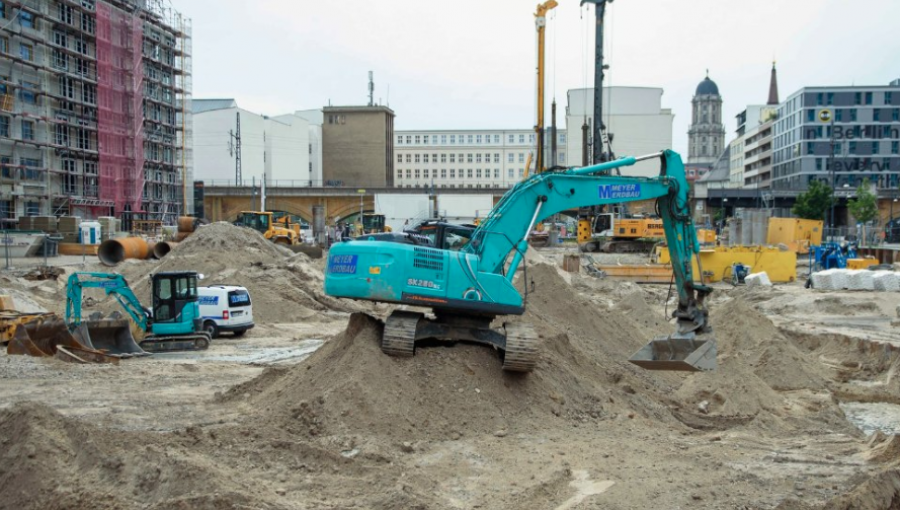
[{"x": 305, "y": 411}]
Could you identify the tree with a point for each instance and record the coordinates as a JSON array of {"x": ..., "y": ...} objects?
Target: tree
[
  {"x": 813, "y": 204},
  {"x": 865, "y": 206}
]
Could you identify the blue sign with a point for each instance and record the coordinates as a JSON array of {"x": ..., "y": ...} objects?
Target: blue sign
[
  {"x": 236, "y": 299},
  {"x": 618, "y": 191},
  {"x": 342, "y": 264},
  {"x": 208, "y": 300}
]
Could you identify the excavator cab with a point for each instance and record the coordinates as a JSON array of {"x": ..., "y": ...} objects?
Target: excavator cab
[{"x": 176, "y": 308}]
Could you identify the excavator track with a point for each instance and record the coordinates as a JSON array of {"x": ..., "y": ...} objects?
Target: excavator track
[
  {"x": 399, "y": 337},
  {"x": 195, "y": 342},
  {"x": 521, "y": 352}
]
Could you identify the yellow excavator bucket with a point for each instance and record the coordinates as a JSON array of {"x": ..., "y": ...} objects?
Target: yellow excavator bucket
[{"x": 45, "y": 335}]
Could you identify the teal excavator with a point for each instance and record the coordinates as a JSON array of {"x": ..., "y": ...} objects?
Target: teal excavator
[{"x": 467, "y": 277}]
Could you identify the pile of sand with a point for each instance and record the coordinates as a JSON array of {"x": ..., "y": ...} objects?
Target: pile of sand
[
  {"x": 284, "y": 286},
  {"x": 350, "y": 387}
]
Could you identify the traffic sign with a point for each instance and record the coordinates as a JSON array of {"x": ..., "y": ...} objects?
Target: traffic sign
[{"x": 825, "y": 115}]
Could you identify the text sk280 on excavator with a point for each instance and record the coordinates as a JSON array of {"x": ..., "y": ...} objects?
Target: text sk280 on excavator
[
  {"x": 173, "y": 323},
  {"x": 468, "y": 287}
]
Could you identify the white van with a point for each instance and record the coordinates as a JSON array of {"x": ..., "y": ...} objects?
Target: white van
[{"x": 225, "y": 308}]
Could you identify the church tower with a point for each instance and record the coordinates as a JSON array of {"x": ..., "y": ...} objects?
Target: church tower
[{"x": 706, "y": 137}]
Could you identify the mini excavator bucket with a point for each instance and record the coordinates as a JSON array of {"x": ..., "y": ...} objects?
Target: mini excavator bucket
[
  {"x": 685, "y": 354},
  {"x": 111, "y": 336}
]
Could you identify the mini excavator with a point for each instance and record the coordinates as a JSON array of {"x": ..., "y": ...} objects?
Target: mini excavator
[{"x": 467, "y": 281}]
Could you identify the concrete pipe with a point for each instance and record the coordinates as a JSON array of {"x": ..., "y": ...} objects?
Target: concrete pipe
[
  {"x": 151, "y": 250},
  {"x": 162, "y": 249},
  {"x": 181, "y": 236},
  {"x": 113, "y": 251}
]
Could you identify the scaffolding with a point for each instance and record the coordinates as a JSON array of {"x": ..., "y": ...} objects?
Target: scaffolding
[{"x": 95, "y": 109}]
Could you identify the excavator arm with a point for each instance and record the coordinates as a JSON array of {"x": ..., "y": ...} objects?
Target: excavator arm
[
  {"x": 504, "y": 233},
  {"x": 112, "y": 284}
]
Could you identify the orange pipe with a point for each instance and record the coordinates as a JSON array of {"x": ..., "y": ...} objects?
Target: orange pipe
[
  {"x": 113, "y": 251},
  {"x": 187, "y": 224}
]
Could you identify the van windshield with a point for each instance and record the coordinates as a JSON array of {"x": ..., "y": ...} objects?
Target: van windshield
[{"x": 238, "y": 298}]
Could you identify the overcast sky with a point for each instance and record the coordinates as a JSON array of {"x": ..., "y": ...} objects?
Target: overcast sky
[{"x": 469, "y": 65}]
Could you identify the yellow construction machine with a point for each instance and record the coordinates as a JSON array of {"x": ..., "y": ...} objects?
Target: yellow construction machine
[
  {"x": 619, "y": 235},
  {"x": 263, "y": 222}
]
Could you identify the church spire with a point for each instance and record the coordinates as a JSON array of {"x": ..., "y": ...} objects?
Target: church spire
[{"x": 773, "y": 87}]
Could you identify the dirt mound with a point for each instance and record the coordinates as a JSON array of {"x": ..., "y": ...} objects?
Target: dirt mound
[
  {"x": 880, "y": 492},
  {"x": 350, "y": 387},
  {"x": 284, "y": 286}
]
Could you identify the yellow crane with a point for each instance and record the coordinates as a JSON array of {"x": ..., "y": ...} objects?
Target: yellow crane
[{"x": 540, "y": 22}]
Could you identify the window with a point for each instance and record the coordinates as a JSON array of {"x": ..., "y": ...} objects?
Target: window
[
  {"x": 496, "y": 138},
  {"x": 434, "y": 158},
  {"x": 510, "y": 157},
  {"x": 31, "y": 168},
  {"x": 453, "y": 158},
  {"x": 443, "y": 139},
  {"x": 4, "y": 126},
  {"x": 81, "y": 46},
  {"x": 853, "y": 115},
  {"x": 857, "y": 99},
  {"x": 895, "y": 147},
  {"x": 417, "y": 158},
  {"x": 399, "y": 158},
  {"x": 89, "y": 94},
  {"x": 84, "y": 139},
  {"x": 27, "y": 130},
  {"x": 417, "y": 173},
  {"x": 425, "y": 173},
  {"x": 521, "y": 138},
  {"x": 876, "y": 147},
  {"x": 521, "y": 157},
  {"x": 3, "y": 12},
  {"x": 469, "y": 158},
  {"x": 868, "y": 98},
  {"x": 562, "y": 138},
  {"x": 65, "y": 13},
  {"x": 26, "y": 51},
  {"x": 478, "y": 138},
  {"x": 512, "y": 138},
  {"x": 810, "y": 148},
  {"x": 6, "y": 166},
  {"x": 469, "y": 173},
  {"x": 888, "y": 98},
  {"x": 562, "y": 158},
  {"x": 4, "y": 45},
  {"x": 87, "y": 23},
  {"x": 496, "y": 173},
  {"x": 818, "y": 163},
  {"x": 531, "y": 138},
  {"x": 425, "y": 137},
  {"x": 521, "y": 173},
  {"x": 62, "y": 135},
  {"x": 408, "y": 173},
  {"x": 876, "y": 115},
  {"x": 512, "y": 173},
  {"x": 811, "y": 115},
  {"x": 408, "y": 139},
  {"x": 497, "y": 157},
  {"x": 452, "y": 139},
  {"x": 60, "y": 60},
  {"x": 470, "y": 139},
  {"x": 90, "y": 167},
  {"x": 418, "y": 139},
  {"x": 478, "y": 158},
  {"x": 852, "y": 147},
  {"x": 830, "y": 98},
  {"x": 838, "y": 115},
  {"x": 478, "y": 173},
  {"x": 400, "y": 140},
  {"x": 895, "y": 114},
  {"x": 443, "y": 158},
  {"x": 443, "y": 173},
  {"x": 452, "y": 173},
  {"x": 26, "y": 19},
  {"x": 425, "y": 158},
  {"x": 67, "y": 87}
]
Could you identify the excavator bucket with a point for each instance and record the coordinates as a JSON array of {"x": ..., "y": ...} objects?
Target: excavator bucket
[
  {"x": 685, "y": 354},
  {"x": 46, "y": 335},
  {"x": 111, "y": 336}
]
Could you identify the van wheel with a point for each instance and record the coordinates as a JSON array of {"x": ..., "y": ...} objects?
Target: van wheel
[
  {"x": 211, "y": 329},
  {"x": 240, "y": 332}
]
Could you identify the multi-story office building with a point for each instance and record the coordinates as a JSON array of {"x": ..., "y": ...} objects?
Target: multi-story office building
[
  {"x": 863, "y": 122},
  {"x": 467, "y": 158},
  {"x": 751, "y": 150},
  {"x": 95, "y": 108}
]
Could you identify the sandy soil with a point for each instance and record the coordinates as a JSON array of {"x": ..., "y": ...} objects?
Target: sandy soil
[{"x": 258, "y": 422}]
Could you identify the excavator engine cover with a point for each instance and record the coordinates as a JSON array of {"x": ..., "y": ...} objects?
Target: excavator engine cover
[
  {"x": 112, "y": 336},
  {"x": 686, "y": 354}
]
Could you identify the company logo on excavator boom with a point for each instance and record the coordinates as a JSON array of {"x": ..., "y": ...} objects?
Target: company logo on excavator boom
[{"x": 620, "y": 191}]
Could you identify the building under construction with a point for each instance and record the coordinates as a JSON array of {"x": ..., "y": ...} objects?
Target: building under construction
[{"x": 95, "y": 113}]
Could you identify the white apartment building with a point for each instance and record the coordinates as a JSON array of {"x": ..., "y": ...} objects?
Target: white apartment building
[
  {"x": 275, "y": 147},
  {"x": 634, "y": 115},
  {"x": 315, "y": 118},
  {"x": 467, "y": 158},
  {"x": 751, "y": 150}
]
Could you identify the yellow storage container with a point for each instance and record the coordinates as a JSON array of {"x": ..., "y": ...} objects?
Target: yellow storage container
[
  {"x": 780, "y": 266},
  {"x": 861, "y": 263},
  {"x": 795, "y": 233}
]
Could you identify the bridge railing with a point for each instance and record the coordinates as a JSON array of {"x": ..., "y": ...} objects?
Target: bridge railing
[{"x": 310, "y": 183}]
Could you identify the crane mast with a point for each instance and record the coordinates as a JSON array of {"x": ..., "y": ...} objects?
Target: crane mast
[{"x": 540, "y": 22}]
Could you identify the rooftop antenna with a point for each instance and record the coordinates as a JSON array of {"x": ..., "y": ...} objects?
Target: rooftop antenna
[{"x": 371, "y": 88}]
